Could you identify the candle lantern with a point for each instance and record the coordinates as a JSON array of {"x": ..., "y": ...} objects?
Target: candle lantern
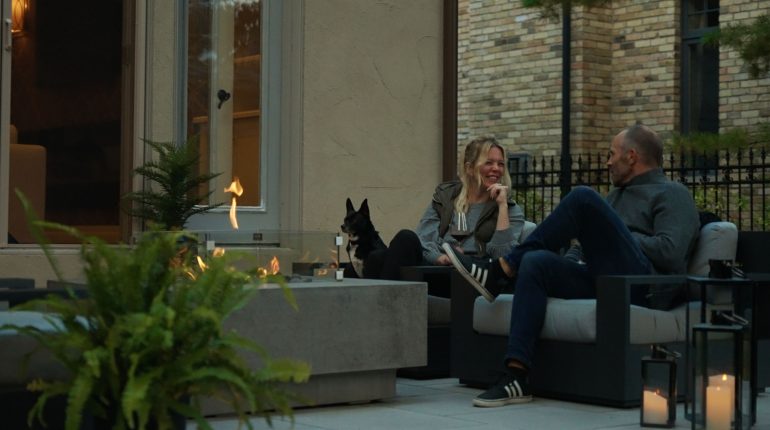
[
  {"x": 658, "y": 407},
  {"x": 722, "y": 377}
]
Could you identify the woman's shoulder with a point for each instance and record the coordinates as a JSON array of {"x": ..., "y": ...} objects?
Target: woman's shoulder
[
  {"x": 447, "y": 190},
  {"x": 448, "y": 185}
]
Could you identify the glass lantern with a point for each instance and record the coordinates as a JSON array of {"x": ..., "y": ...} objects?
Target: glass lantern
[
  {"x": 658, "y": 407},
  {"x": 722, "y": 375}
]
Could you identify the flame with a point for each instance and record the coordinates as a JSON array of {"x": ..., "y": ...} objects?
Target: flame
[
  {"x": 218, "y": 252},
  {"x": 235, "y": 188},
  {"x": 273, "y": 269},
  {"x": 201, "y": 263},
  {"x": 233, "y": 218},
  {"x": 322, "y": 272},
  {"x": 335, "y": 263},
  {"x": 190, "y": 274},
  {"x": 724, "y": 377}
]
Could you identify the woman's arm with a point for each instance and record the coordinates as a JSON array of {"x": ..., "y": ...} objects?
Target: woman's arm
[
  {"x": 504, "y": 239},
  {"x": 427, "y": 231}
]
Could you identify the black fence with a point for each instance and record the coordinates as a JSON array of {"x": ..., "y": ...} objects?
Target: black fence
[{"x": 733, "y": 185}]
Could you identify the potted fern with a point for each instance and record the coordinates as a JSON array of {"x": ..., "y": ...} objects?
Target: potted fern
[
  {"x": 172, "y": 196},
  {"x": 147, "y": 343}
]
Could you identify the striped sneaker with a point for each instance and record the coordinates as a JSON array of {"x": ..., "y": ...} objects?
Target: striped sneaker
[
  {"x": 509, "y": 390},
  {"x": 476, "y": 271}
]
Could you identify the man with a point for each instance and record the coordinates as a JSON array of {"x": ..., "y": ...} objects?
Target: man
[{"x": 646, "y": 225}]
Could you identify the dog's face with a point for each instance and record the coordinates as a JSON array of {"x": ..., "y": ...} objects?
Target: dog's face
[{"x": 356, "y": 221}]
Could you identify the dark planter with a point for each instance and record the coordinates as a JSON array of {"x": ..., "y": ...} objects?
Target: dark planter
[
  {"x": 754, "y": 258},
  {"x": 91, "y": 422}
]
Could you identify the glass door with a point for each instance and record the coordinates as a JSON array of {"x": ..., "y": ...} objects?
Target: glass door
[
  {"x": 225, "y": 104},
  {"x": 62, "y": 124}
]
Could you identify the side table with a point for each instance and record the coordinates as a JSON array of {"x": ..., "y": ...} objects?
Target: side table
[{"x": 744, "y": 303}]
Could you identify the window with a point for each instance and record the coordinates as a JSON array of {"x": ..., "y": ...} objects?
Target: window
[
  {"x": 69, "y": 123},
  {"x": 223, "y": 91},
  {"x": 700, "y": 67}
]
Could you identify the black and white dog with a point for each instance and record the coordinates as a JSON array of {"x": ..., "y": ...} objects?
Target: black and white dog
[{"x": 363, "y": 239}]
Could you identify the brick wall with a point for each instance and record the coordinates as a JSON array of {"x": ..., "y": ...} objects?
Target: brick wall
[
  {"x": 626, "y": 67},
  {"x": 645, "y": 64},
  {"x": 509, "y": 76},
  {"x": 743, "y": 102},
  {"x": 592, "y": 79}
]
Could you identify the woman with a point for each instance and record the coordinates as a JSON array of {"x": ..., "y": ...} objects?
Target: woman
[{"x": 475, "y": 214}]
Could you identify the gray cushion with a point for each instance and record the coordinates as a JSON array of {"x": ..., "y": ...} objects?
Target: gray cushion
[
  {"x": 18, "y": 365},
  {"x": 575, "y": 320},
  {"x": 717, "y": 241}
]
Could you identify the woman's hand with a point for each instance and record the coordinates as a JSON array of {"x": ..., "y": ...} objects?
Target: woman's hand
[
  {"x": 443, "y": 260},
  {"x": 498, "y": 193}
]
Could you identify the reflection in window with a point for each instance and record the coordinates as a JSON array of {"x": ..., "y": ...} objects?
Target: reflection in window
[
  {"x": 223, "y": 91},
  {"x": 66, "y": 117}
]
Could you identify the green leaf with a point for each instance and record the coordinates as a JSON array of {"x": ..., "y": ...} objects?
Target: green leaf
[{"x": 79, "y": 394}]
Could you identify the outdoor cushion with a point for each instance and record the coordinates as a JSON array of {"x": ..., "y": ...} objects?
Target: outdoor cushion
[
  {"x": 19, "y": 366},
  {"x": 575, "y": 320},
  {"x": 717, "y": 241}
]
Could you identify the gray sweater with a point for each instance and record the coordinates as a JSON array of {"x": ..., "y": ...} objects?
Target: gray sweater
[
  {"x": 661, "y": 215},
  {"x": 499, "y": 245}
]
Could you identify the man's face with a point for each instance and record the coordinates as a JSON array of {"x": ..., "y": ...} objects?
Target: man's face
[{"x": 620, "y": 162}]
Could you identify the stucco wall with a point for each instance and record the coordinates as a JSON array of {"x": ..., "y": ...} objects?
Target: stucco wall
[{"x": 372, "y": 110}]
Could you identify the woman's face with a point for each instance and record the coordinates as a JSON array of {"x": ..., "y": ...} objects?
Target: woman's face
[{"x": 493, "y": 168}]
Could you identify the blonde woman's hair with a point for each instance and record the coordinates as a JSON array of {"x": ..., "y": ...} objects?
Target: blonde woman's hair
[{"x": 476, "y": 155}]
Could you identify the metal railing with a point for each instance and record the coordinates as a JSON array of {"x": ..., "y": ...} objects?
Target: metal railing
[{"x": 731, "y": 184}]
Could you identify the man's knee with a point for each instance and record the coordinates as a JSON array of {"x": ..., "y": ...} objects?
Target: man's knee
[
  {"x": 537, "y": 261},
  {"x": 585, "y": 192}
]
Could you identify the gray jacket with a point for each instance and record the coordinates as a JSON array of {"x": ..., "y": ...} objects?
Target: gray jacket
[
  {"x": 661, "y": 215},
  {"x": 485, "y": 240}
]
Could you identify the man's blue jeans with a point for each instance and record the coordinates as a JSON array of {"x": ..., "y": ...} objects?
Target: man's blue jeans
[{"x": 608, "y": 248}]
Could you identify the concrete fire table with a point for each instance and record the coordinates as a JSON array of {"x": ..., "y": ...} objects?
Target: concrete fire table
[{"x": 354, "y": 334}]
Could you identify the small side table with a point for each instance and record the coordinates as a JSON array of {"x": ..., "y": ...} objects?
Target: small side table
[{"x": 743, "y": 304}]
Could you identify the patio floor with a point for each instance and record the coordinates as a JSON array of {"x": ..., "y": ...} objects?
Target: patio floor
[{"x": 444, "y": 404}]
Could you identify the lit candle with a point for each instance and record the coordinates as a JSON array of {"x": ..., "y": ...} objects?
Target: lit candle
[
  {"x": 717, "y": 408},
  {"x": 727, "y": 383},
  {"x": 655, "y": 408}
]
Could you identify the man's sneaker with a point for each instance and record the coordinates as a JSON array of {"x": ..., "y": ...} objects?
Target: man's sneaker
[
  {"x": 510, "y": 389},
  {"x": 476, "y": 271}
]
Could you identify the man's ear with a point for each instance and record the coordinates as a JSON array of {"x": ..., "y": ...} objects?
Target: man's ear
[{"x": 633, "y": 156}]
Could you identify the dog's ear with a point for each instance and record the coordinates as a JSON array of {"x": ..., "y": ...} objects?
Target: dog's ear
[
  {"x": 364, "y": 209},
  {"x": 349, "y": 206}
]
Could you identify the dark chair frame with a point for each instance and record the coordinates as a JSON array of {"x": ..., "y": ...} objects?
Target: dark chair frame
[
  {"x": 607, "y": 372},
  {"x": 438, "y": 279}
]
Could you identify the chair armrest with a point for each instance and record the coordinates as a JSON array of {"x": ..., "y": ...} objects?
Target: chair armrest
[
  {"x": 461, "y": 309},
  {"x": 613, "y": 304},
  {"x": 17, "y": 297},
  {"x": 438, "y": 278}
]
